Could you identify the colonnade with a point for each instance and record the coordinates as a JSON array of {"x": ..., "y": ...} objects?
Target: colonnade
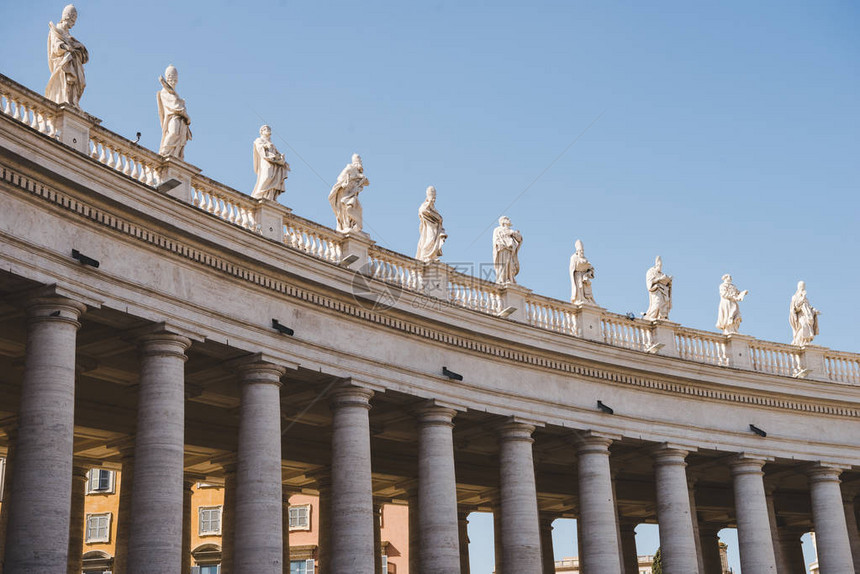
[{"x": 150, "y": 535}]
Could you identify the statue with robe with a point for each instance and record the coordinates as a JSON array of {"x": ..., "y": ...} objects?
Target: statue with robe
[
  {"x": 803, "y": 317},
  {"x": 506, "y": 249},
  {"x": 175, "y": 121},
  {"x": 431, "y": 234},
  {"x": 270, "y": 166},
  {"x": 344, "y": 196},
  {"x": 659, "y": 292},
  {"x": 581, "y": 275},
  {"x": 66, "y": 59},
  {"x": 729, "y": 314}
]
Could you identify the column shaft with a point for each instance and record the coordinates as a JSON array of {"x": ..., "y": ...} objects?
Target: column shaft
[
  {"x": 377, "y": 538},
  {"x": 228, "y": 519},
  {"x": 285, "y": 528},
  {"x": 352, "y": 490},
  {"x": 828, "y": 515},
  {"x": 157, "y": 499},
  {"x": 547, "y": 552},
  {"x": 754, "y": 539},
  {"x": 414, "y": 532},
  {"x": 7, "y": 494},
  {"x": 710, "y": 542},
  {"x": 597, "y": 513},
  {"x": 123, "y": 518},
  {"x": 39, "y": 511},
  {"x": 628, "y": 548},
  {"x": 187, "y": 491},
  {"x": 779, "y": 555},
  {"x": 792, "y": 548},
  {"x": 521, "y": 553},
  {"x": 437, "y": 491},
  {"x": 498, "y": 553},
  {"x": 463, "y": 522},
  {"x": 853, "y": 533},
  {"x": 258, "y": 545},
  {"x": 324, "y": 544},
  {"x": 675, "y": 520},
  {"x": 77, "y": 520}
]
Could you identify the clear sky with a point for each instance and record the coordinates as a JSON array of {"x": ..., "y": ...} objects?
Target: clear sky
[{"x": 724, "y": 136}]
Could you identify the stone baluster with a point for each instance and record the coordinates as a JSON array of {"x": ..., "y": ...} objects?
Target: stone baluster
[{"x": 39, "y": 510}]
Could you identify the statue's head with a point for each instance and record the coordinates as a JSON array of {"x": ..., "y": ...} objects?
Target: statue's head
[
  {"x": 801, "y": 285},
  {"x": 266, "y": 131},
  {"x": 356, "y": 159},
  {"x": 70, "y": 15},
  {"x": 431, "y": 192},
  {"x": 579, "y": 247},
  {"x": 504, "y": 221},
  {"x": 171, "y": 75},
  {"x": 727, "y": 278},
  {"x": 658, "y": 263}
]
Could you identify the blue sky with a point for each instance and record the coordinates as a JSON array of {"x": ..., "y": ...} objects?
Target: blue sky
[{"x": 723, "y": 136}]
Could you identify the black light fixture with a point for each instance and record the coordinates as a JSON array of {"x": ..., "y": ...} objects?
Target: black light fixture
[
  {"x": 506, "y": 312},
  {"x": 757, "y": 431},
  {"x": 451, "y": 374},
  {"x": 84, "y": 259},
  {"x": 605, "y": 408},
  {"x": 166, "y": 186},
  {"x": 349, "y": 260},
  {"x": 282, "y": 329}
]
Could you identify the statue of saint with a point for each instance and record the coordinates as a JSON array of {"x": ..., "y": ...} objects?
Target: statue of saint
[
  {"x": 431, "y": 234},
  {"x": 581, "y": 275},
  {"x": 729, "y": 315},
  {"x": 506, "y": 249},
  {"x": 270, "y": 166},
  {"x": 175, "y": 121},
  {"x": 803, "y": 317},
  {"x": 659, "y": 292},
  {"x": 66, "y": 59},
  {"x": 344, "y": 196}
]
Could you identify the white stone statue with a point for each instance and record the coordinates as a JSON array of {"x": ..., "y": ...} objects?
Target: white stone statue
[
  {"x": 506, "y": 249},
  {"x": 344, "y": 196},
  {"x": 581, "y": 275},
  {"x": 659, "y": 292},
  {"x": 270, "y": 166},
  {"x": 729, "y": 315},
  {"x": 803, "y": 317},
  {"x": 66, "y": 59},
  {"x": 175, "y": 121},
  {"x": 431, "y": 234}
]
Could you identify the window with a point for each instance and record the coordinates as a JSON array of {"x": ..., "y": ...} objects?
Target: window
[
  {"x": 384, "y": 564},
  {"x": 207, "y": 569},
  {"x": 210, "y": 520},
  {"x": 300, "y": 517},
  {"x": 98, "y": 527},
  {"x": 100, "y": 481},
  {"x": 301, "y": 567}
]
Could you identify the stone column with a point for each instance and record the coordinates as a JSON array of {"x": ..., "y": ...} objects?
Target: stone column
[
  {"x": 677, "y": 539},
  {"x": 828, "y": 515},
  {"x": 520, "y": 530},
  {"x": 709, "y": 534},
  {"x": 754, "y": 539},
  {"x": 498, "y": 553},
  {"x": 187, "y": 491},
  {"x": 155, "y": 543},
  {"x": 7, "y": 492},
  {"x": 286, "y": 492},
  {"x": 779, "y": 555},
  {"x": 77, "y": 522},
  {"x": 323, "y": 479},
  {"x": 437, "y": 491},
  {"x": 597, "y": 513},
  {"x": 463, "y": 522},
  {"x": 414, "y": 531},
  {"x": 258, "y": 545},
  {"x": 694, "y": 515},
  {"x": 38, "y": 524},
  {"x": 792, "y": 549},
  {"x": 547, "y": 552},
  {"x": 123, "y": 518},
  {"x": 848, "y": 499},
  {"x": 628, "y": 547},
  {"x": 377, "y": 537},
  {"x": 228, "y": 519},
  {"x": 352, "y": 490}
]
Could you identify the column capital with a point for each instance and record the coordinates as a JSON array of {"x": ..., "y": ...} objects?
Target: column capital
[
  {"x": 748, "y": 464},
  {"x": 80, "y": 471},
  {"x": 822, "y": 472},
  {"x": 350, "y": 396},
  {"x": 429, "y": 413},
  {"x": 628, "y": 525},
  {"x": 515, "y": 430},
  {"x": 44, "y": 307},
  {"x": 254, "y": 369},
  {"x": 163, "y": 344},
  {"x": 666, "y": 453},
  {"x": 592, "y": 443}
]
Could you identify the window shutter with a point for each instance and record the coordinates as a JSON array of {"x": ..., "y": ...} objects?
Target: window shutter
[{"x": 309, "y": 566}]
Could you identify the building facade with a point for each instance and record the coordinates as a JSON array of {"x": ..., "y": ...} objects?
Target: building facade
[{"x": 158, "y": 323}]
